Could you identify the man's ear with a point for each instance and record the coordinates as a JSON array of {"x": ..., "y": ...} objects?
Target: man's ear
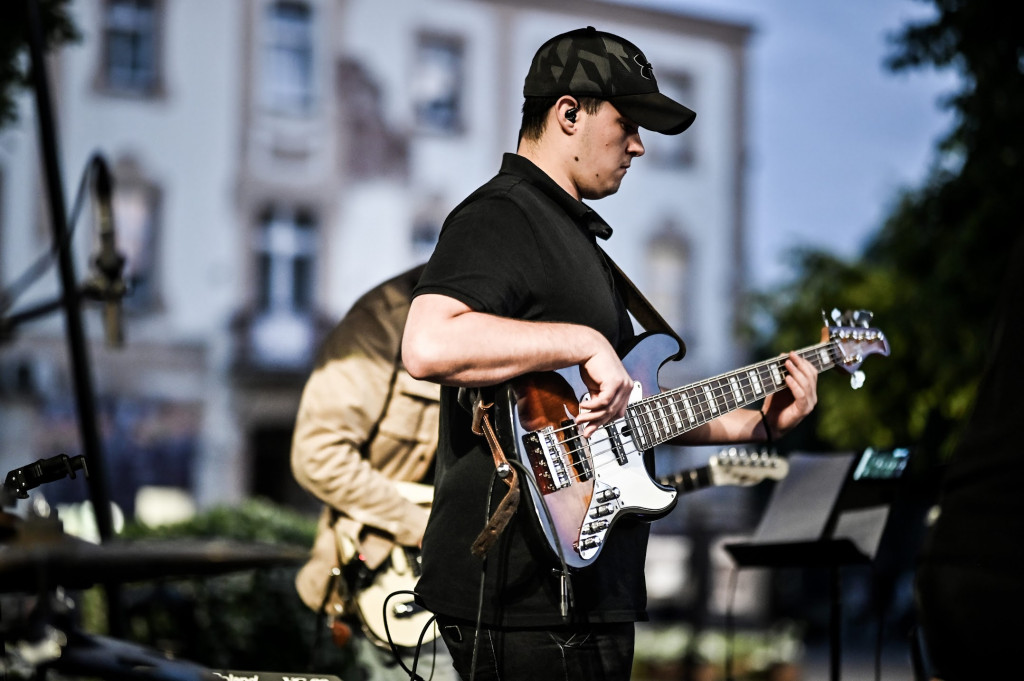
[{"x": 566, "y": 110}]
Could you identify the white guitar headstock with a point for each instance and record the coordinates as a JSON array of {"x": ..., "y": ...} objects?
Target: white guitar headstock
[{"x": 738, "y": 466}]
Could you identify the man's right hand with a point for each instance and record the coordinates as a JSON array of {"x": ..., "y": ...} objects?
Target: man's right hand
[{"x": 610, "y": 387}]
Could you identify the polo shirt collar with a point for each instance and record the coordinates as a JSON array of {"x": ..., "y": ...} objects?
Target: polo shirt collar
[{"x": 581, "y": 213}]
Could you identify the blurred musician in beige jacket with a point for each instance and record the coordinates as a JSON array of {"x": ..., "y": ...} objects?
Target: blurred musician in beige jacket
[{"x": 365, "y": 428}]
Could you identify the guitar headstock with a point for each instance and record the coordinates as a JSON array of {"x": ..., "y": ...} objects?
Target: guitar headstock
[
  {"x": 853, "y": 335},
  {"x": 737, "y": 466}
]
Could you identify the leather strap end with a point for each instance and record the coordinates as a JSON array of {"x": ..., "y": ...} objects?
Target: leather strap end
[
  {"x": 496, "y": 525},
  {"x": 479, "y": 412}
]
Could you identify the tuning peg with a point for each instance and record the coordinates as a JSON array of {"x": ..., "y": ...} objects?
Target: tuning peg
[
  {"x": 862, "y": 318},
  {"x": 857, "y": 379},
  {"x": 835, "y": 316}
]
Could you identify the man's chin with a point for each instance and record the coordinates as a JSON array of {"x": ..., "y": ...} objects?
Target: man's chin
[{"x": 595, "y": 194}]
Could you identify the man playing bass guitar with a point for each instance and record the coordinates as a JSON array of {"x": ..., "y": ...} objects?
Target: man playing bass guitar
[{"x": 519, "y": 284}]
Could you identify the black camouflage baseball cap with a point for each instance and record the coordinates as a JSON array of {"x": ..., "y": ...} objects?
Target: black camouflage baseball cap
[{"x": 591, "y": 63}]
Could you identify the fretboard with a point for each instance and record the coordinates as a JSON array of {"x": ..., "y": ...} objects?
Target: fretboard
[{"x": 659, "y": 418}]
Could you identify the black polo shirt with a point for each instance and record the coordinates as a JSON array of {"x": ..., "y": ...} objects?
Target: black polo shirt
[{"x": 520, "y": 247}]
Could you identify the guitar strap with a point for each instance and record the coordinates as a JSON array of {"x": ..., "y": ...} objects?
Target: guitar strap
[
  {"x": 510, "y": 502},
  {"x": 641, "y": 308}
]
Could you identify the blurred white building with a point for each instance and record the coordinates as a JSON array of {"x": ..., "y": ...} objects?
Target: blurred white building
[{"x": 273, "y": 159}]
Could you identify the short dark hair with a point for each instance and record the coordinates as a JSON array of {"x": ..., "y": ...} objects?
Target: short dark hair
[{"x": 535, "y": 110}]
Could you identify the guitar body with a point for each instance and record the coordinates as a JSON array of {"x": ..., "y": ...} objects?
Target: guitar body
[
  {"x": 382, "y": 597},
  {"x": 579, "y": 489},
  {"x": 387, "y": 608}
]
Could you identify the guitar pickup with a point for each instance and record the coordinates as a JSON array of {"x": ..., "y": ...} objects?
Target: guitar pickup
[
  {"x": 616, "y": 444},
  {"x": 579, "y": 455}
]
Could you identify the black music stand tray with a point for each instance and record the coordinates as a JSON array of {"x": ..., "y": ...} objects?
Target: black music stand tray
[{"x": 818, "y": 517}]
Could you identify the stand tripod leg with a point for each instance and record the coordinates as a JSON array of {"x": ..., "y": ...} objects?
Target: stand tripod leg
[{"x": 835, "y": 623}]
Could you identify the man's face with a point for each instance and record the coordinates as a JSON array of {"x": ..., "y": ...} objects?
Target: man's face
[{"x": 608, "y": 142}]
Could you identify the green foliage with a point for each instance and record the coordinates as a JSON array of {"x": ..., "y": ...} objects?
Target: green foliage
[
  {"x": 934, "y": 268},
  {"x": 14, "y": 54},
  {"x": 255, "y": 520},
  {"x": 250, "y": 620}
]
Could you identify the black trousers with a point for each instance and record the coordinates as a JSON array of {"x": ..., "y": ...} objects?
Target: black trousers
[{"x": 599, "y": 652}]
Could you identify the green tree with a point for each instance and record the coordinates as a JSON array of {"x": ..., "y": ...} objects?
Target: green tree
[
  {"x": 15, "y": 72},
  {"x": 932, "y": 270}
]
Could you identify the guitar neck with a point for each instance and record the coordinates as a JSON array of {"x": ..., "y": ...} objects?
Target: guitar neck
[{"x": 659, "y": 418}]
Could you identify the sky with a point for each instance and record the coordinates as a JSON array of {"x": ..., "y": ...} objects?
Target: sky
[{"x": 833, "y": 134}]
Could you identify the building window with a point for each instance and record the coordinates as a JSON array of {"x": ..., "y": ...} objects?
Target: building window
[
  {"x": 674, "y": 151},
  {"x": 131, "y": 47},
  {"x": 668, "y": 273},
  {"x": 285, "y": 250},
  {"x": 136, "y": 205},
  {"x": 437, "y": 83},
  {"x": 288, "y": 58}
]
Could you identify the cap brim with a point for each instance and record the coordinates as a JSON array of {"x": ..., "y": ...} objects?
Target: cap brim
[{"x": 655, "y": 112}]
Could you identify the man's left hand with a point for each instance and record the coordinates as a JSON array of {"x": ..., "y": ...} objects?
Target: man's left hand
[{"x": 785, "y": 409}]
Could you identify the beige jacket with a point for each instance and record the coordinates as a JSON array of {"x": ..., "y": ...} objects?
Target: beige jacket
[{"x": 363, "y": 424}]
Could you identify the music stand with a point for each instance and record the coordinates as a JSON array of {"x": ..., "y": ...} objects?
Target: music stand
[{"x": 824, "y": 513}]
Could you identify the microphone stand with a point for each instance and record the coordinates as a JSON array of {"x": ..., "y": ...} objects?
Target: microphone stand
[{"x": 79, "y": 358}]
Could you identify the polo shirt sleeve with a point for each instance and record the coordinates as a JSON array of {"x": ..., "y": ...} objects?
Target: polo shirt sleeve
[{"x": 483, "y": 257}]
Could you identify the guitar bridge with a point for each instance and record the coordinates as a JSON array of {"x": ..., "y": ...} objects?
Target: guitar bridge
[{"x": 545, "y": 452}]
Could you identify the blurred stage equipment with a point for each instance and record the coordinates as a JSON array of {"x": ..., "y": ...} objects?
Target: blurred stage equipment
[
  {"x": 829, "y": 511},
  {"x": 107, "y": 285},
  {"x": 70, "y": 301},
  {"x": 19, "y": 481},
  {"x": 39, "y": 563}
]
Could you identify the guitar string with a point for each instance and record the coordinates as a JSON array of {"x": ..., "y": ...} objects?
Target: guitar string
[{"x": 724, "y": 388}]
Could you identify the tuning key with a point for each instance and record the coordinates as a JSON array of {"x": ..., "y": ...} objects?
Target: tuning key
[
  {"x": 857, "y": 379},
  {"x": 863, "y": 318}
]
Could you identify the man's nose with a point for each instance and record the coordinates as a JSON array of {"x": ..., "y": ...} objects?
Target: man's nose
[{"x": 636, "y": 146}]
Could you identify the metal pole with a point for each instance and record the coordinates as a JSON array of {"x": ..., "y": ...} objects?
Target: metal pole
[
  {"x": 835, "y": 623},
  {"x": 78, "y": 350}
]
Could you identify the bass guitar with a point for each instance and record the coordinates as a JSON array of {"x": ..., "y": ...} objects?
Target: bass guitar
[{"x": 578, "y": 488}]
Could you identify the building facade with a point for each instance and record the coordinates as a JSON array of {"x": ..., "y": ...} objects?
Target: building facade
[{"x": 273, "y": 159}]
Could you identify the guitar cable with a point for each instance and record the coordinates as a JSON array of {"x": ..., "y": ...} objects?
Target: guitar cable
[
  {"x": 413, "y": 676},
  {"x": 10, "y": 294},
  {"x": 483, "y": 578}
]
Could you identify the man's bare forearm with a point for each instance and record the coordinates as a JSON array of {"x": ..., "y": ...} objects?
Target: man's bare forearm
[{"x": 447, "y": 342}]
